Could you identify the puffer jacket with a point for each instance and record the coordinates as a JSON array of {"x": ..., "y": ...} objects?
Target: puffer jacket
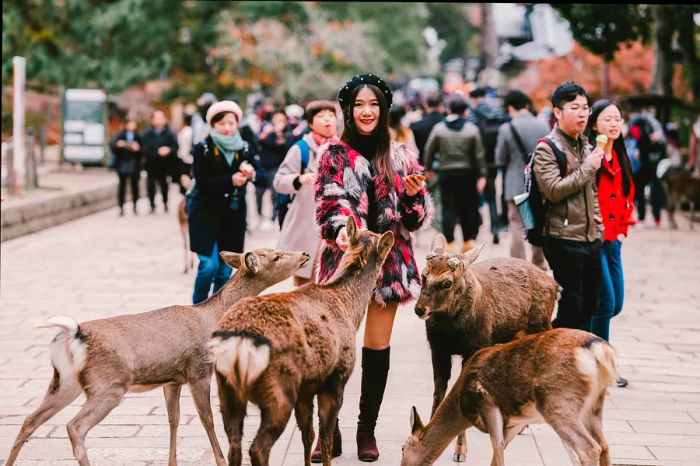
[
  {"x": 459, "y": 144},
  {"x": 573, "y": 212}
]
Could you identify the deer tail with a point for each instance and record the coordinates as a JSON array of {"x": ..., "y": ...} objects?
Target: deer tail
[
  {"x": 68, "y": 350},
  {"x": 240, "y": 357},
  {"x": 605, "y": 358}
]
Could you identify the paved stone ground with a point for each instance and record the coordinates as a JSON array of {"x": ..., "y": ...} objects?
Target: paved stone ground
[{"x": 103, "y": 265}]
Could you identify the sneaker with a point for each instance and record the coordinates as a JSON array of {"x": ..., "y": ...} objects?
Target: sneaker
[
  {"x": 467, "y": 245},
  {"x": 622, "y": 382}
]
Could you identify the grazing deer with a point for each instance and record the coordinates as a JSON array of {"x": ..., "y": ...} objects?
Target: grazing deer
[
  {"x": 107, "y": 358},
  {"x": 680, "y": 185},
  {"x": 559, "y": 377},
  {"x": 280, "y": 350},
  {"x": 470, "y": 306},
  {"x": 185, "y": 231}
]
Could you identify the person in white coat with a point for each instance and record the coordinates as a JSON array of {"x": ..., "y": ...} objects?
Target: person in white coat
[{"x": 299, "y": 230}]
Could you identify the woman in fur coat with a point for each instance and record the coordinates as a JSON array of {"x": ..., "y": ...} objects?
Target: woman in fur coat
[{"x": 378, "y": 182}]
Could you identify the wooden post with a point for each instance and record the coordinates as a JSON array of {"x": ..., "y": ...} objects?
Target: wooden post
[{"x": 30, "y": 165}]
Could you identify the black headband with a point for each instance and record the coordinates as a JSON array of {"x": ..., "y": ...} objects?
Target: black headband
[{"x": 360, "y": 80}]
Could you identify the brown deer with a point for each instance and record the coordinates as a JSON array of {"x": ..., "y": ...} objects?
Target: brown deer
[
  {"x": 106, "y": 358},
  {"x": 280, "y": 350},
  {"x": 559, "y": 377},
  {"x": 470, "y": 306}
]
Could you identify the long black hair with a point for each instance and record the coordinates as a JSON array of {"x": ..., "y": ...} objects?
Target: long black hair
[
  {"x": 375, "y": 147},
  {"x": 618, "y": 144}
]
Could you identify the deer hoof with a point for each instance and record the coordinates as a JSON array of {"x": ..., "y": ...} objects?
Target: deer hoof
[{"x": 459, "y": 457}]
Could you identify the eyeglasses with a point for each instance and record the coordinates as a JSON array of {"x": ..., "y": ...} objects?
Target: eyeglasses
[
  {"x": 609, "y": 120},
  {"x": 574, "y": 109}
]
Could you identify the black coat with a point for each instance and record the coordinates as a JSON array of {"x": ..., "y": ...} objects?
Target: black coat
[
  {"x": 155, "y": 164},
  {"x": 211, "y": 216},
  {"x": 128, "y": 162},
  {"x": 421, "y": 130}
]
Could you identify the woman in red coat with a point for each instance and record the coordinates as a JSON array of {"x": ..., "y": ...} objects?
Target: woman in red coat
[
  {"x": 377, "y": 181},
  {"x": 616, "y": 199}
]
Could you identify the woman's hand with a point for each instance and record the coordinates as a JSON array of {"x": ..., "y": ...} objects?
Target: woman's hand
[
  {"x": 481, "y": 184},
  {"x": 247, "y": 169},
  {"x": 413, "y": 183},
  {"x": 342, "y": 239},
  {"x": 239, "y": 179},
  {"x": 621, "y": 237},
  {"x": 307, "y": 178}
]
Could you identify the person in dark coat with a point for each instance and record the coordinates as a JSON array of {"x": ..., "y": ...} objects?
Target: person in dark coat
[
  {"x": 422, "y": 128},
  {"x": 222, "y": 166},
  {"x": 126, "y": 147},
  {"x": 160, "y": 147}
]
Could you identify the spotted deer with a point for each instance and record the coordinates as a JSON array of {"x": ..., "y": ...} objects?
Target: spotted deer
[
  {"x": 106, "y": 358},
  {"x": 470, "y": 306},
  {"x": 559, "y": 377},
  {"x": 281, "y": 350}
]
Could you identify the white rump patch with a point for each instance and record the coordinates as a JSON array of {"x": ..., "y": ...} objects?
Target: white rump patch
[
  {"x": 586, "y": 363},
  {"x": 239, "y": 360},
  {"x": 67, "y": 352}
]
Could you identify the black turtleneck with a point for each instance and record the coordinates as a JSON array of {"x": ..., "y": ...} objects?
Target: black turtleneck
[{"x": 367, "y": 146}]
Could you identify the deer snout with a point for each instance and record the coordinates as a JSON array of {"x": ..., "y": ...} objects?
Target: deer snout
[
  {"x": 422, "y": 312},
  {"x": 305, "y": 257}
]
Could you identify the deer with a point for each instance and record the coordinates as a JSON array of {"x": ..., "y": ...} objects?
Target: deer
[
  {"x": 470, "y": 306},
  {"x": 559, "y": 377},
  {"x": 106, "y": 358},
  {"x": 281, "y": 350}
]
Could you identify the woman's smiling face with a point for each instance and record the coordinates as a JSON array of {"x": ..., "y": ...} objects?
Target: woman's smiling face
[{"x": 365, "y": 111}]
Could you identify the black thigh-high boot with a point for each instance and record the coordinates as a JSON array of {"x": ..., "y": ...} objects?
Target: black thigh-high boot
[{"x": 375, "y": 369}]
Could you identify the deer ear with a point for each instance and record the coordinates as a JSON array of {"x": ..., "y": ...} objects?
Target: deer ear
[
  {"x": 439, "y": 243},
  {"x": 416, "y": 423},
  {"x": 252, "y": 262},
  {"x": 233, "y": 259},
  {"x": 351, "y": 228},
  {"x": 470, "y": 256},
  {"x": 385, "y": 244}
]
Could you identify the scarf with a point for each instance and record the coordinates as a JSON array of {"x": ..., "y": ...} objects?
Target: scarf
[
  {"x": 228, "y": 144},
  {"x": 320, "y": 140}
]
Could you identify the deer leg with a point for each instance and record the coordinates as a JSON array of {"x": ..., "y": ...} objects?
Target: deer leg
[
  {"x": 576, "y": 436},
  {"x": 595, "y": 427},
  {"x": 57, "y": 397},
  {"x": 201, "y": 391},
  {"x": 493, "y": 421},
  {"x": 329, "y": 403},
  {"x": 172, "y": 404},
  {"x": 460, "y": 453},
  {"x": 94, "y": 410},
  {"x": 233, "y": 411},
  {"x": 442, "y": 366},
  {"x": 183, "y": 230},
  {"x": 304, "y": 412},
  {"x": 273, "y": 419}
]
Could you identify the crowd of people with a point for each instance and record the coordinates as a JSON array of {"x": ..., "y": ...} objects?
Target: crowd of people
[{"x": 388, "y": 165}]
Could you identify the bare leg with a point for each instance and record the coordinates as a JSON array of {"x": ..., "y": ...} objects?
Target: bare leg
[
  {"x": 57, "y": 397},
  {"x": 172, "y": 404},
  {"x": 201, "y": 389},
  {"x": 304, "y": 412},
  {"x": 379, "y": 324},
  {"x": 233, "y": 411},
  {"x": 94, "y": 410}
]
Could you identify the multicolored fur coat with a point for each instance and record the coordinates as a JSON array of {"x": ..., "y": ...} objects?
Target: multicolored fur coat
[{"x": 341, "y": 190}]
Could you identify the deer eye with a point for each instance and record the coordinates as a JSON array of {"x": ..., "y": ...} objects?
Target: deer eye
[
  {"x": 277, "y": 258},
  {"x": 447, "y": 284}
]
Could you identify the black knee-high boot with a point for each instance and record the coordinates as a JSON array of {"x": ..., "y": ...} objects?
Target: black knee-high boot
[{"x": 375, "y": 369}]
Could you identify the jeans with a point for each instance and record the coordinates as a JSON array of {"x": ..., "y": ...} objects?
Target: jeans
[
  {"x": 460, "y": 200},
  {"x": 612, "y": 291},
  {"x": 211, "y": 270},
  {"x": 577, "y": 269}
]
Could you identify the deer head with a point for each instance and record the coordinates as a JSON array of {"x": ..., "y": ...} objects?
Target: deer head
[
  {"x": 268, "y": 266},
  {"x": 365, "y": 248},
  {"x": 443, "y": 278},
  {"x": 412, "y": 451}
]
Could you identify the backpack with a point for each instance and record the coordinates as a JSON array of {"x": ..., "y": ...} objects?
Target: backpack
[
  {"x": 488, "y": 129},
  {"x": 533, "y": 210},
  {"x": 285, "y": 200}
]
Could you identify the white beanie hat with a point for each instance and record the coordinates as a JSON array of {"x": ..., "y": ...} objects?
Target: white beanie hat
[{"x": 224, "y": 106}]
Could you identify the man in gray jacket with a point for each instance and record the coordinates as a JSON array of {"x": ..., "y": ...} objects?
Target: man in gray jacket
[
  {"x": 573, "y": 226},
  {"x": 515, "y": 142},
  {"x": 462, "y": 172}
]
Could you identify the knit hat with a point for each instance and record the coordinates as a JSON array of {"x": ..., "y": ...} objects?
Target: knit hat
[
  {"x": 360, "y": 80},
  {"x": 224, "y": 106}
]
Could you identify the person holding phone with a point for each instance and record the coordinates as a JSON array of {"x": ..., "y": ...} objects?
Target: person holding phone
[{"x": 379, "y": 183}]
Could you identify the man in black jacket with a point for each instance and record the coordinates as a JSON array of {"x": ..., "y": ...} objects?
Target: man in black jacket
[
  {"x": 160, "y": 148},
  {"x": 421, "y": 129}
]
